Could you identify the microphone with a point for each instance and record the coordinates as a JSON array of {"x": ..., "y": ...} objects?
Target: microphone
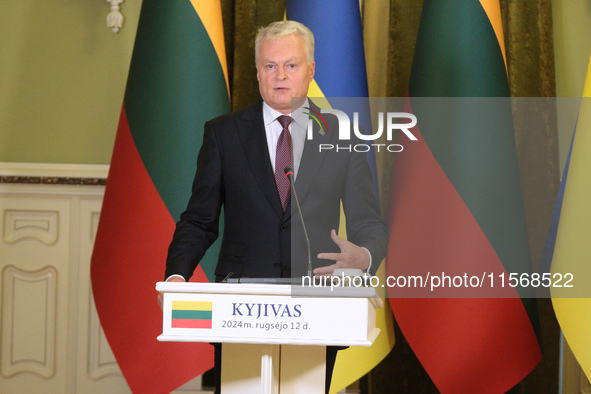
[
  {"x": 225, "y": 280},
  {"x": 289, "y": 174}
]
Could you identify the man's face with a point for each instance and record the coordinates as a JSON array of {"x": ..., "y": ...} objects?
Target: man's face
[{"x": 283, "y": 71}]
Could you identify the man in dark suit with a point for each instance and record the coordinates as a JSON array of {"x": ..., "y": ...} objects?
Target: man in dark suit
[
  {"x": 237, "y": 167},
  {"x": 236, "y": 171}
]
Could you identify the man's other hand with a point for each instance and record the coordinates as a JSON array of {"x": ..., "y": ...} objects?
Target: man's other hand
[
  {"x": 351, "y": 256},
  {"x": 171, "y": 279}
]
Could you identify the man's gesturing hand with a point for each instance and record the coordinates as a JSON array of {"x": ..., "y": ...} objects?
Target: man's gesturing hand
[{"x": 351, "y": 256}]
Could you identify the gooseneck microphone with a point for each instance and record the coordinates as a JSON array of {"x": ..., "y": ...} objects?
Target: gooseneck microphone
[{"x": 289, "y": 174}]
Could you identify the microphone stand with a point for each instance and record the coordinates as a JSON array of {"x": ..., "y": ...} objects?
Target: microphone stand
[{"x": 289, "y": 174}]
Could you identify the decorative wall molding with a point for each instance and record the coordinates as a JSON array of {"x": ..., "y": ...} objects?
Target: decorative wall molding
[
  {"x": 115, "y": 18},
  {"x": 30, "y": 224},
  {"x": 101, "y": 362},
  {"x": 52, "y": 180},
  {"x": 50, "y": 336},
  {"x": 28, "y": 339},
  {"x": 54, "y": 174},
  {"x": 94, "y": 221},
  {"x": 584, "y": 384}
]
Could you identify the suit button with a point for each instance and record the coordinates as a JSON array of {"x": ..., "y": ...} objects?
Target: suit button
[
  {"x": 277, "y": 265},
  {"x": 283, "y": 229}
]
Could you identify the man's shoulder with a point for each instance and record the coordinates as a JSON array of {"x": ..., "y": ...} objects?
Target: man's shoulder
[{"x": 250, "y": 113}]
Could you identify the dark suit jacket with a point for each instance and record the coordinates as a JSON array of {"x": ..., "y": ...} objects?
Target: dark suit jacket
[{"x": 260, "y": 240}]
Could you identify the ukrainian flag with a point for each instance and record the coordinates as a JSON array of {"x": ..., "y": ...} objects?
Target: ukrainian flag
[
  {"x": 341, "y": 72},
  {"x": 572, "y": 251}
]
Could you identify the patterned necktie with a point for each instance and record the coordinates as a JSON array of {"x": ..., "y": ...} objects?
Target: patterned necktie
[{"x": 283, "y": 158}]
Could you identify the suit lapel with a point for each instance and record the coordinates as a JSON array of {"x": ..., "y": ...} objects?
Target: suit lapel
[
  {"x": 254, "y": 141},
  {"x": 312, "y": 159}
]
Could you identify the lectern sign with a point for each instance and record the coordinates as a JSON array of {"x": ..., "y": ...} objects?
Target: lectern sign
[{"x": 213, "y": 312}]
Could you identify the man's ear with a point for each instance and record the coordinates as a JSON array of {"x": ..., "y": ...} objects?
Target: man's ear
[{"x": 312, "y": 70}]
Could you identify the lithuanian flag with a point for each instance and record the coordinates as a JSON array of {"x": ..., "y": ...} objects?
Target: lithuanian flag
[
  {"x": 177, "y": 80},
  {"x": 456, "y": 200},
  {"x": 191, "y": 314}
]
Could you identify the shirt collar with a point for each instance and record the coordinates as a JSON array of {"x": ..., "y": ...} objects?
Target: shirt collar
[{"x": 299, "y": 116}]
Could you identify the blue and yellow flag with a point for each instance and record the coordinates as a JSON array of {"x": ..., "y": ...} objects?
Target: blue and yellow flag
[
  {"x": 572, "y": 252},
  {"x": 341, "y": 72}
]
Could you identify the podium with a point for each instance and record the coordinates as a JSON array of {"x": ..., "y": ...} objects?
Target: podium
[{"x": 274, "y": 336}]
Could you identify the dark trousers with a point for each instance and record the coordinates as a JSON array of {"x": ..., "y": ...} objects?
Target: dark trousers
[{"x": 331, "y": 357}]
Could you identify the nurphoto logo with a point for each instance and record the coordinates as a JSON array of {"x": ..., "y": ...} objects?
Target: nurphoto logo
[{"x": 402, "y": 121}]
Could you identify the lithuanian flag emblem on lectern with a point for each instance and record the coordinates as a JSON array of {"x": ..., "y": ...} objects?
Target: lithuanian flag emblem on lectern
[{"x": 191, "y": 314}]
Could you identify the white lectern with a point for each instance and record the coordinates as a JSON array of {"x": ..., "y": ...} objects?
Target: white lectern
[{"x": 274, "y": 341}]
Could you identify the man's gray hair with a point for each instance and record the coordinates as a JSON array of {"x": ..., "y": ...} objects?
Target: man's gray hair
[{"x": 280, "y": 29}]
